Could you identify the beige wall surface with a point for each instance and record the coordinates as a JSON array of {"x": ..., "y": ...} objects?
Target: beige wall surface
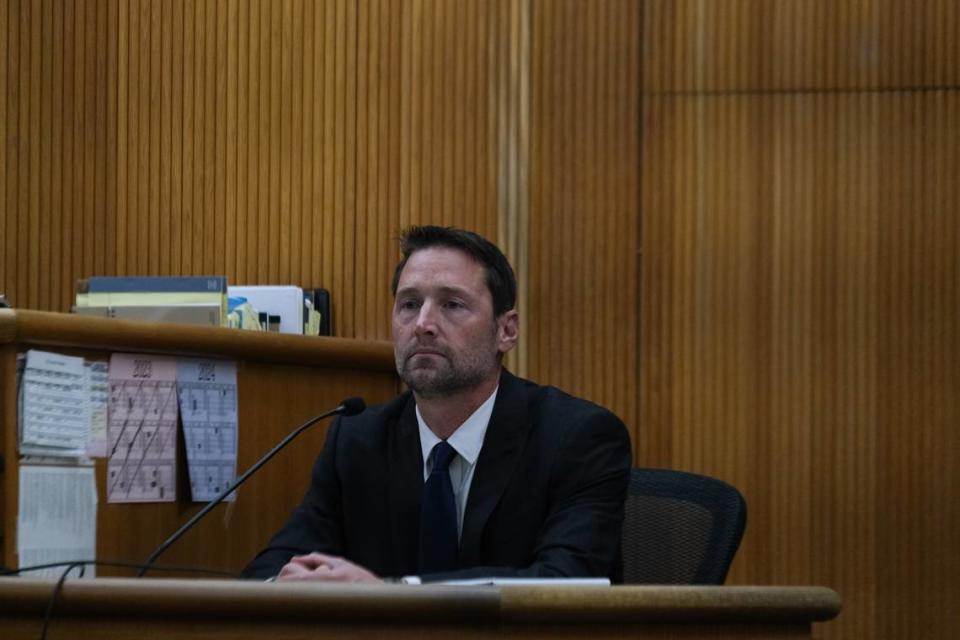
[{"x": 734, "y": 221}]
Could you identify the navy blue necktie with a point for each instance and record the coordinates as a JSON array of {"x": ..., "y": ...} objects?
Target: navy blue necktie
[{"x": 438, "y": 515}]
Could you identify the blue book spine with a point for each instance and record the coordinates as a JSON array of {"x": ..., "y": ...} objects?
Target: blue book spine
[{"x": 157, "y": 284}]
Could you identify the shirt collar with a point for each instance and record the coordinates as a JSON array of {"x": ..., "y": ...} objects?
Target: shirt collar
[{"x": 467, "y": 439}]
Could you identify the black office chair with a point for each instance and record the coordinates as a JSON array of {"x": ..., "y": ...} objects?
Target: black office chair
[{"x": 680, "y": 528}]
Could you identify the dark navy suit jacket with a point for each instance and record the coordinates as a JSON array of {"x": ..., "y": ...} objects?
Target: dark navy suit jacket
[{"x": 546, "y": 498}]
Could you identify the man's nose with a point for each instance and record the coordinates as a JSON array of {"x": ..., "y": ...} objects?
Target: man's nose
[{"x": 426, "y": 321}]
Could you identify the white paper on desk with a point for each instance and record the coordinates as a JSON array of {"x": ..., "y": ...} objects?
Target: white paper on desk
[
  {"x": 528, "y": 582},
  {"x": 142, "y": 429},
  {"x": 208, "y": 409},
  {"x": 54, "y": 416},
  {"x": 57, "y": 518},
  {"x": 98, "y": 376}
]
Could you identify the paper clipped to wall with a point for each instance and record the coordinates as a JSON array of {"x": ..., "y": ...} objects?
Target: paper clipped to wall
[
  {"x": 207, "y": 390},
  {"x": 142, "y": 429},
  {"x": 56, "y": 518},
  {"x": 54, "y": 416}
]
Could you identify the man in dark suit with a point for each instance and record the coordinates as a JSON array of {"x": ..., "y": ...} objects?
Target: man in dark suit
[{"x": 473, "y": 472}]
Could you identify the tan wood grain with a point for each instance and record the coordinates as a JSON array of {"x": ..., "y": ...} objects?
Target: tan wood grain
[{"x": 282, "y": 380}]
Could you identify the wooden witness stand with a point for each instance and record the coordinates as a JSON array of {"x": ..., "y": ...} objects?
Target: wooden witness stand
[
  {"x": 282, "y": 381},
  {"x": 184, "y": 609}
]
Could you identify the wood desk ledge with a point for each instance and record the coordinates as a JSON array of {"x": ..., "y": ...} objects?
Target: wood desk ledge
[
  {"x": 230, "y": 599},
  {"x": 212, "y": 599},
  {"x": 46, "y": 329},
  {"x": 655, "y": 603}
]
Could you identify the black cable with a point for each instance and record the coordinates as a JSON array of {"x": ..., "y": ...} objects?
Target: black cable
[
  {"x": 125, "y": 565},
  {"x": 82, "y": 564},
  {"x": 48, "y": 614}
]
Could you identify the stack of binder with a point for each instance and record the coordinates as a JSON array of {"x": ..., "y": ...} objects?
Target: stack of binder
[{"x": 184, "y": 299}]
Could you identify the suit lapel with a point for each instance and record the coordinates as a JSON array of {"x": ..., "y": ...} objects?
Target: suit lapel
[
  {"x": 405, "y": 484},
  {"x": 502, "y": 447}
]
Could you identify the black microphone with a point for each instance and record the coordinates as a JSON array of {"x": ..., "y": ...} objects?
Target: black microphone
[{"x": 349, "y": 407}]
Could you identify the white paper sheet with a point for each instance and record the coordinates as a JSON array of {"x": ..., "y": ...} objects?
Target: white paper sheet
[
  {"x": 98, "y": 376},
  {"x": 208, "y": 409},
  {"x": 54, "y": 417},
  {"x": 142, "y": 429},
  {"x": 57, "y": 518}
]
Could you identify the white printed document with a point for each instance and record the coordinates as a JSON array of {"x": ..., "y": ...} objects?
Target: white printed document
[
  {"x": 208, "y": 409},
  {"x": 99, "y": 378},
  {"x": 57, "y": 518},
  {"x": 54, "y": 417}
]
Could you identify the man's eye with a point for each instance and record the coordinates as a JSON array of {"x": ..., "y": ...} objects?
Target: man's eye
[
  {"x": 453, "y": 304},
  {"x": 409, "y": 305}
]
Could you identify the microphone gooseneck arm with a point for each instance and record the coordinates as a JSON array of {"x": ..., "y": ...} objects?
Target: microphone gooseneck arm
[{"x": 349, "y": 407}]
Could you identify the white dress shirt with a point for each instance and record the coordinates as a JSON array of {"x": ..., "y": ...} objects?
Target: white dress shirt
[{"x": 467, "y": 441}]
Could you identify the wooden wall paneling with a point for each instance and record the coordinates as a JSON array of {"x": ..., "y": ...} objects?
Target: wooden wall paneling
[
  {"x": 229, "y": 69},
  {"x": 422, "y": 193},
  {"x": 588, "y": 225},
  {"x": 122, "y": 150},
  {"x": 311, "y": 142},
  {"x": 283, "y": 210},
  {"x": 44, "y": 134},
  {"x": 23, "y": 152},
  {"x": 511, "y": 142},
  {"x": 107, "y": 246},
  {"x": 463, "y": 89},
  {"x": 211, "y": 257},
  {"x": 917, "y": 405},
  {"x": 336, "y": 184},
  {"x": 388, "y": 68},
  {"x": 32, "y": 182},
  {"x": 818, "y": 343},
  {"x": 7, "y": 220},
  {"x": 19, "y": 86},
  {"x": 583, "y": 258},
  {"x": 161, "y": 222},
  {"x": 252, "y": 149},
  {"x": 444, "y": 68},
  {"x": 291, "y": 141},
  {"x": 11, "y": 108},
  {"x": 173, "y": 138},
  {"x": 365, "y": 147},
  {"x": 652, "y": 442},
  {"x": 8, "y": 442},
  {"x": 350, "y": 234},
  {"x": 463, "y": 132},
  {"x": 191, "y": 140},
  {"x": 263, "y": 249},
  {"x": 486, "y": 112},
  {"x": 139, "y": 223},
  {"x": 409, "y": 23}
]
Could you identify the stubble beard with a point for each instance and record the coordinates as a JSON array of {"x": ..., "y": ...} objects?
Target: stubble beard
[{"x": 453, "y": 374}]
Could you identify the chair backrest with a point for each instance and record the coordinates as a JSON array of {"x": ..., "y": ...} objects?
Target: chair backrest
[{"x": 680, "y": 528}]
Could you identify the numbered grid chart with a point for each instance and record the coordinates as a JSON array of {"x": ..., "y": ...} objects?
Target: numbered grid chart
[
  {"x": 208, "y": 409},
  {"x": 142, "y": 429}
]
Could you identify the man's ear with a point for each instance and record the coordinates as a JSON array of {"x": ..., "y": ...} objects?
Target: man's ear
[{"x": 508, "y": 330}]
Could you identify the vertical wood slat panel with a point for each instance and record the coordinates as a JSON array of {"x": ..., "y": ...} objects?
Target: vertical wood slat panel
[
  {"x": 30, "y": 100},
  {"x": 583, "y": 202},
  {"x": 800, "y": 232},
  {"x": 162, "y": 18},
  {"x": 7, "y": 82},
  {"x": 840, "y": 44},
  {"x": 174, "y": 140},
  {"x": 291, "y": 141}
]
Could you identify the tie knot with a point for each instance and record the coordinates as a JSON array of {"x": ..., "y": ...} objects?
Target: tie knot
[{"x": 443, "y": 454}]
